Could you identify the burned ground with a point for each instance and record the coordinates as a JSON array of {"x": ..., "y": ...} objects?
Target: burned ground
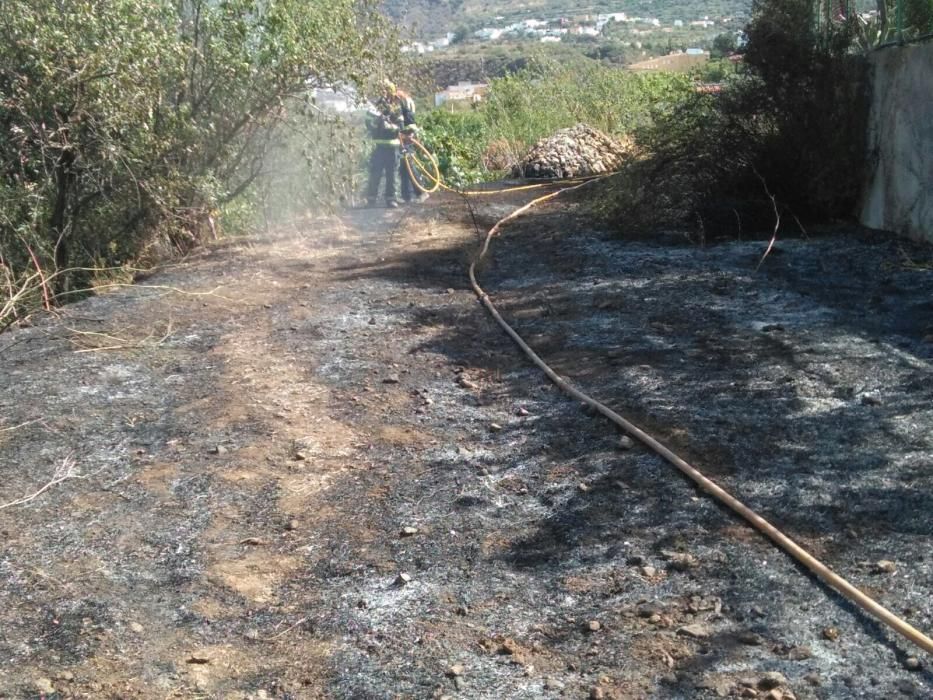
[{"x": 314, "y": 468}]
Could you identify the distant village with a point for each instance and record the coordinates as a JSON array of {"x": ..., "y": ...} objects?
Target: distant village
[
  {"x": 546, "y": 31},
  {"x": 554, "y": 30}
]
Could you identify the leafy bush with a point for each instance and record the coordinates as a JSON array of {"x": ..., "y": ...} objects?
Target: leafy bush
[
  {"x": 458, "y": 139},
  {"x": 791, "y": 127},
  {"x": 524, "y": 107},
  {"x": 814, "y": 87},
  {"x": 887, "y": 26},
  {"x": 124, "y": 120},
  {"x": 918, "y": 16},
  {"x": 534, "y": 102}
]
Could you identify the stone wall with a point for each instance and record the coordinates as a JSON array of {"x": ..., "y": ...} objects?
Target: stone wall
[{"x": 899, "y": 192}]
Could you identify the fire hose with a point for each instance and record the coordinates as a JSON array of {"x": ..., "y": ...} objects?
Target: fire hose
[
  {"x": 782, "y": 541},
  {"x": 420, "y": 164},
  {"x": 414, "y": 154}
]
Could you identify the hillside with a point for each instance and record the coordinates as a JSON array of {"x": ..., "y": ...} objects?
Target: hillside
[{"x": 430, "y": 17}]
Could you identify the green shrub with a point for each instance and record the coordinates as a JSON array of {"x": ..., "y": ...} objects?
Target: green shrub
[
  {"x": 533, "y": 103},
  {"x": 127, "y": 120},
  {"x": 458, "y": 139},
  {"x": 523, "y": 107},
  {"x": 791, "y": 126}
]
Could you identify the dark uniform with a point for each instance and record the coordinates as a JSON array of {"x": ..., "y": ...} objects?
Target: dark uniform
[
  {"x": 409, "y": 191},
  {"x": 390, "y": 115}
]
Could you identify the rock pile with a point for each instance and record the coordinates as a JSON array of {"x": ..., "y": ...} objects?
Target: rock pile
[{"x": 578, "y": 151}]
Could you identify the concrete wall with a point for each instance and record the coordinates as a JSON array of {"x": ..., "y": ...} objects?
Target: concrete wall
[{"x": 899, "y": 193}]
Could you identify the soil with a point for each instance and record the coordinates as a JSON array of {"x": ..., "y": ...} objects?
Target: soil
[{"x": 308, "y": 465}]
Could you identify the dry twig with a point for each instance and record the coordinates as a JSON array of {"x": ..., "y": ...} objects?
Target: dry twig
[
  {"x": 166, "y": 288},
  {"x": 117, "y": 343},
  {"x": 46, "y": 293},
  {"x": 286, "y": 630},
  {"x": 777, "y": 223},
  {"x": 21, "y": 288},
  {"x": 21, "y": 425},
  {"x": 64, "y": 472}
]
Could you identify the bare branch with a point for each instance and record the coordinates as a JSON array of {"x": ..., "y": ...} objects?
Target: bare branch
[
  {"x": 64, "y": 472},
  {"x": 777, "y": 222},
  {"x": 21, "y": 425},
  {"x": 117, "y": 343}
]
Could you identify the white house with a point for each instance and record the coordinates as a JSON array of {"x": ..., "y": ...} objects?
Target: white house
[
  {"x": 461, "y": 92},
  {"x": 488, "y": 34},
  {"x": 417, "y": 47}
]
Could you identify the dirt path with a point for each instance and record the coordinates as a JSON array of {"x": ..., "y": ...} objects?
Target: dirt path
[{"x": 314, "y": 469}]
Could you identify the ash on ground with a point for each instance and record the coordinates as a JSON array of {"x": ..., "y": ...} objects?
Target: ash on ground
[{"x": 310, "y": 466}]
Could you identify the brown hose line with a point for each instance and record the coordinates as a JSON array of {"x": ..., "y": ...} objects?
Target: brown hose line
[{"x": 829, "y": 577}]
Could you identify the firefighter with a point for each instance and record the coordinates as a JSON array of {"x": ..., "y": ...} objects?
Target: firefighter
[
  {"x": 391, "y": 115},
  {"x": 410, "y": 192}
]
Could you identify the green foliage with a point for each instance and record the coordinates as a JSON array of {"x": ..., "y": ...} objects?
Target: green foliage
[
  {"x": 894, "y": 21},
  {"x": 714, "y": 71},
  {"x": 701, "y": 157},
  {"x": 533, "y": 103},
  {"x": 122, "y": 120},
  {"x": 82, "y": 92},
  {"x": 918, "y": 17},
  {"x": 459, "y": 140},
  {"x": 723, "y": 45},
  {"x": 613, "y": 52},
  {"x": 816, "y": 88},
  {"x": 791, "y": 126}
]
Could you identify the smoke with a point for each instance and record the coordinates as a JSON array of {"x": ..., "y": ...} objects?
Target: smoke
[{"x": 313, "y": 164}]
